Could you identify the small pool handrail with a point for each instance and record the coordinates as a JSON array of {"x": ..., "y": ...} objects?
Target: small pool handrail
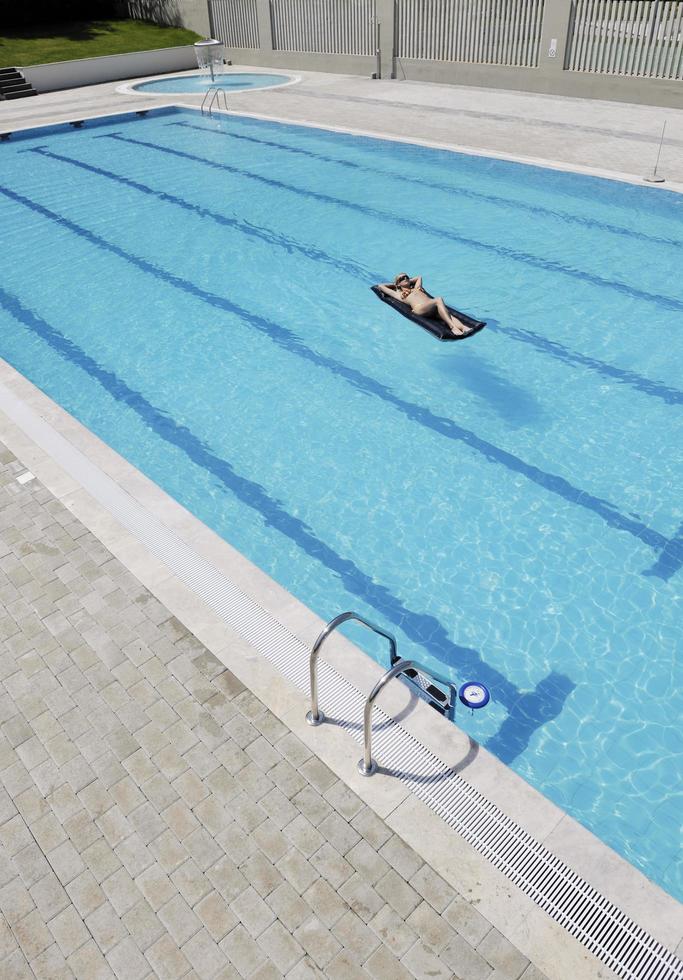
[
  {"x": 213, "y": 94},
  {"x": 315, "y": 716}
]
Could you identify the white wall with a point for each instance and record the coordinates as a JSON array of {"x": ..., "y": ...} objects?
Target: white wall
[
  {"x": 194, "y": 15},
  {"x": 90, "y": 71}
]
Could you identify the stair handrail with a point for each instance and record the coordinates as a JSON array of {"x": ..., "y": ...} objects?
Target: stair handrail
[{"x": 315, "y": 716}]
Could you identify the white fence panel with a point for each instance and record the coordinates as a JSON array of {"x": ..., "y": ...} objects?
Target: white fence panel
[
  {"x": 235, "y": 22},
  {"x": 324, "y": 26},
  {"x": 491, "y": 32},
  {"x": 642, "y": 38}
]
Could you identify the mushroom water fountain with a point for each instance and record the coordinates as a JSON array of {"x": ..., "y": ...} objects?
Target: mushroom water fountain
[{"x": 209, "y": 56}]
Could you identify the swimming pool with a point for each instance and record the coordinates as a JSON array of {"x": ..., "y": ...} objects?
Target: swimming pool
[
  {"x": 230, "y": 81},
  {"x": 196, "y": 292}
]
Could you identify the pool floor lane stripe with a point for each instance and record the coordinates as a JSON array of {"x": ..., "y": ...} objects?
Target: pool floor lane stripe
[
  {"x": 515, "y": 255},
  {"x": 669, "y": 550},
  {"x": 419, "y": 182},
  {"x": 243, "y": 227},
  {"x": 671, "y": 396},
  {"x": 598, "y": 923},
  {"x": 527, "y": 710}
]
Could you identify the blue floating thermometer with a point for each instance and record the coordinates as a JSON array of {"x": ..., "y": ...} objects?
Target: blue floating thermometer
[{"x": 474, "y": 695}]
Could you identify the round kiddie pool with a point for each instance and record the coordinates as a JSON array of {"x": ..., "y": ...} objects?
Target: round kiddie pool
[{"x": 201, "y": 82}]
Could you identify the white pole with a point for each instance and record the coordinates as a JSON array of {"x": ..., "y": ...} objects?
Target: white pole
[{"x": 654, "y": 178}]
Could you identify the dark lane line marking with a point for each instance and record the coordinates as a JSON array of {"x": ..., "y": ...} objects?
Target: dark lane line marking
[
  {"x": 515, "y": 255},
  {"x": 672, "y": 396},
  {"x": 671, "y": 549},
  {"x": 534, "y": 209},
  {"x": 527, "y": 710},
  {"x": 553, "y": 348},
  {"x": 273, "y": 238}
]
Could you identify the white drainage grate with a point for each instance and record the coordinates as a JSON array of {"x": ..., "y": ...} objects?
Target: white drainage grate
[{"x": 587, "y": 915}]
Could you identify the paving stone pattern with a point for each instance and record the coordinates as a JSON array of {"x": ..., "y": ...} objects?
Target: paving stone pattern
[{"x": 156, "y": 820}]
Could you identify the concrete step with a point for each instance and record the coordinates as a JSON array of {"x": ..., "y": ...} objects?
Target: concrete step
[
  {"x": 22, "y": 94},
  {"x": 13, "y": 85}
]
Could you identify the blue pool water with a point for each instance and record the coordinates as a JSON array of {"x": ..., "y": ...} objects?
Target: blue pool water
[
  {"x": 230, "y": 81},
  {"x": 196, "y": 292}
]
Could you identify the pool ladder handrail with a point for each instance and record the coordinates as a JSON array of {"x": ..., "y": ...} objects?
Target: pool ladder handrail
[
  {"x": 445, "y": 704},
  {"x": 315, "y": 715},
  {"x": 367, "y": 765},
  {"x": 213, "y": 95}
]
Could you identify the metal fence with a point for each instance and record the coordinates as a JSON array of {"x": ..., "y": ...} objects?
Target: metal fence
[
  {"x": 493, "y": 32},
  {"x": 324, "y": 26},
  {"x": 630, "y": 37},
  {"x": 630, "y": 49},
  {"x": 235, "y": 22}
]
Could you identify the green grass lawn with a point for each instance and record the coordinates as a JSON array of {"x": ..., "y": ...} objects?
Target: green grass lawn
[{"x": 86, "y": 39}]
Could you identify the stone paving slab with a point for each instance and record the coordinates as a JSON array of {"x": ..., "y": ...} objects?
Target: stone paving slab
[{"x": 156, "y": 820}]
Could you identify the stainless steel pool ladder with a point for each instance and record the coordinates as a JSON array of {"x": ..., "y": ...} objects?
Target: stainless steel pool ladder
[
  {"x": 213, "y": 97},
  {"x": 418, "y": 679}
]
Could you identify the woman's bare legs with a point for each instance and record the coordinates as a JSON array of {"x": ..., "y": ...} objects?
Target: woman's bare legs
[
  {"x": 432, "y": 306},
  {"x": 457, "y": 327}
]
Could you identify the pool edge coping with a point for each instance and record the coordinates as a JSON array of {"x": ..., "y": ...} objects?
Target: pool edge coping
[
  {"x": 153, "y": 107},
  {"x": 675, "y": 187},
  {"x": 494, "y": 894}
]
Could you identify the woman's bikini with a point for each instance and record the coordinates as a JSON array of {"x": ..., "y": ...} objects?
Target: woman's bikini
[{"x": 416, "y": 307}]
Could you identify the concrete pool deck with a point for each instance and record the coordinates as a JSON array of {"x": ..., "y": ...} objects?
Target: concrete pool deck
[
  {"x": 156, "y": 819},
  {"x": 533, "y": 935},
  {"x": 159, "y": 819}
]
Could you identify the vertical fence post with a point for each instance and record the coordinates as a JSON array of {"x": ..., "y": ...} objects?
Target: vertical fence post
[
  {"x": 194, "y": 17},
  {"x": 385, "y": 14},
  {"x": 557, "y": 22},
  {"x": 265, "y": 27}
]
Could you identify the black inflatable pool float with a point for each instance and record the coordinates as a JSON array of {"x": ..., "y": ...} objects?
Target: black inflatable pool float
[{"x": 434, "y": 325}]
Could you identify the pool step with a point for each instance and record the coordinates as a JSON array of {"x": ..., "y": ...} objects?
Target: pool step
[{"x": 13, "y": 85}]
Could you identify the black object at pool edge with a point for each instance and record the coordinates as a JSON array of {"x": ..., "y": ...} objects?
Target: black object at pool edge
[{"x": 434, "y": 325}]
